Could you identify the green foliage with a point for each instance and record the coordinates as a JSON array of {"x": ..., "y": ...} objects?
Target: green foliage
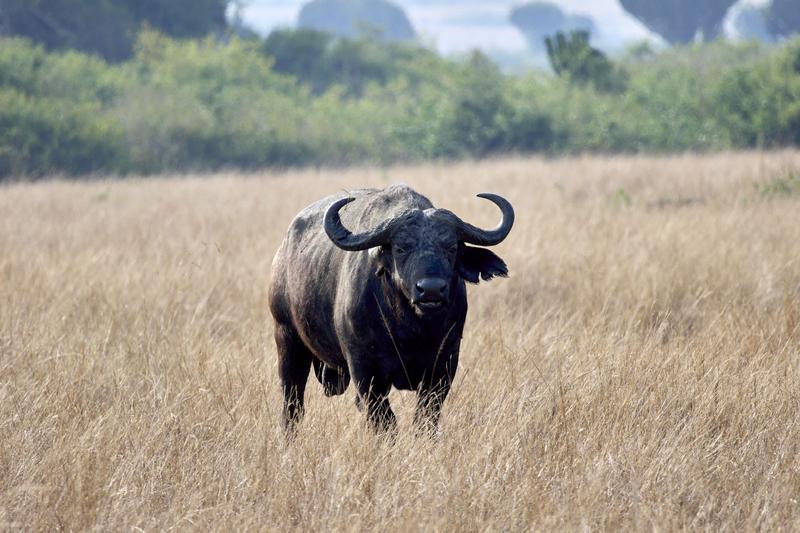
[
  {"x": 108, "y": 27},
  {"x": 51, "y": 113},
  {"x": 302, "y": 54},
  {"x": 476, "y": 121},
  {"x": 21, "y": 65},
  {"x": 70, "y": 75},
  {"x": 40, "y": 136},
  {"x": 321, "y": 61},
  {"x": 179, "y": 18},
  {"x": 198, "y": 104},
  {"x": 537, "y": 20},
  {"x": 204, "y": 104},
  {"x": 531, "y": 125},
  {"x": 572, "y": 57},
  {"x": 760, "y": 106}
]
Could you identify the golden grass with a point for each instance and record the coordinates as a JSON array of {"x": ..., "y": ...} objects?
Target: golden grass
[{"x": 639, "y": 370}]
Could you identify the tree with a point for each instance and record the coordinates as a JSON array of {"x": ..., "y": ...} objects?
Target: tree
[
  {"x": 102, "y": 27},
  {"x": 537, "y": 20},
  {"x": 180, "y": 18},
  {"x": 108, "y": 27},
  {"x": 680, "y": 21},
  {"x": 320, "y": 60},
  {"x": 351, "y": 18},
  {"x": 479, "y": 112},
  {"x": 572, "y": 57},
  {"x": 302, "y": 53}
]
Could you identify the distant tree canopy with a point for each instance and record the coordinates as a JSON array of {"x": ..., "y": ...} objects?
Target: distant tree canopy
[
  {"x": 107, "y": 27},
  {"x": 537, "y": 20},
  {"x": 189, "y": 104},
  {"x": 320, "y": 60},
  {"x": 181, "y": 18},
  {"x": 352, "y": 18},
  {"x": 301, "y": 53},
  {"x": 680, "y": 21},
  {"x": 573, "y": 58}
]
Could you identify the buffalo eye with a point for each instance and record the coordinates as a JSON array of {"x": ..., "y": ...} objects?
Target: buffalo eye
[{"x": 399, "y": 250}]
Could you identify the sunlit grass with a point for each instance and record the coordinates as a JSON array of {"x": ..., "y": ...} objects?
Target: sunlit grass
[{"x": 639, "y": 369}]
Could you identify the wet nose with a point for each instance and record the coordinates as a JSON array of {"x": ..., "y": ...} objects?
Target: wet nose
[{"x": 432, "y": 289}]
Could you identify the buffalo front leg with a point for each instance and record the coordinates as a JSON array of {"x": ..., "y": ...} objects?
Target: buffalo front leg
[
  {"x": 294, "y": 365},
  {"x": 432, "y": 393},
  {"x": 374, "y": 395},
  {"x": 429, "y": 406}
]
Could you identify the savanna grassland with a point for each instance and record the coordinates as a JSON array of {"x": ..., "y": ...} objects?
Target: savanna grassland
[{"x": 638, "y": 370}]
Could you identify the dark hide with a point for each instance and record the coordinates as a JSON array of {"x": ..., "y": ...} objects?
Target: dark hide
[{"x": 388, "y": 316}]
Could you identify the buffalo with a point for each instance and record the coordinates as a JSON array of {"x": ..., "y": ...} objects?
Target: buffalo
[{"x": 369, "y": 286}]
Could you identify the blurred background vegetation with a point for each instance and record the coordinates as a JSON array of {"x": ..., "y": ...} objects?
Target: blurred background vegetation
[{"x": 143, "y": 86}]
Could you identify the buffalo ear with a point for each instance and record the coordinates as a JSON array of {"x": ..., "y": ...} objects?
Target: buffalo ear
[
  {"x": 378, "y": 255},
  {"x": 479, "y": 263}
]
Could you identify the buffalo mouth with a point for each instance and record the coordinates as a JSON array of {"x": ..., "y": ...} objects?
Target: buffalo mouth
[{"x": 426, "y": 306}]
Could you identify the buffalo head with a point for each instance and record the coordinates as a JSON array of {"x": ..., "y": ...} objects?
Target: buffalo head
[{"x": 425, "y": 251}]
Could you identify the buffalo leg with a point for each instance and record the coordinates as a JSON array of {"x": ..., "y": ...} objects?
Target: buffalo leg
[
  {"x": 294, "y": 365},
  {"x": 381, "y": 416},
  {"x": 429, "y": 406},
  {"x": 432, "y": 394},
  {"x": 375, "y": 397}
]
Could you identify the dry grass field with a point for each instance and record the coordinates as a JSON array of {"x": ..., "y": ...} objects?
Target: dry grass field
[{"x": 640, "y": 369}]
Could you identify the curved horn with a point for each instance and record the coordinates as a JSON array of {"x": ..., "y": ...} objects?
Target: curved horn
[
  {"x": 343, "y": 238},
  {"x": 472, "y": 235}
]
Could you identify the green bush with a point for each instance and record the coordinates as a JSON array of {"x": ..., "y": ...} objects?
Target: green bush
[
  {"x": 205, "y": 104},
  {"x": 760, "y": 106},
  {"x": 40, "y": 136},
  {"x": 478, "y": 112},
  {"x": 21, "y": 65},
  {"x": 320, "y": 61},
  {"x": 572, "y": 57}
]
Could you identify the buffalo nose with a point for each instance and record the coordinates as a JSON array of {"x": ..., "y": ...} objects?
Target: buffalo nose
[{"x": 431, "y": 289}]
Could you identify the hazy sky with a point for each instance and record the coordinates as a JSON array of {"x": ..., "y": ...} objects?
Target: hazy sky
[{"x": 459, "y": 25}]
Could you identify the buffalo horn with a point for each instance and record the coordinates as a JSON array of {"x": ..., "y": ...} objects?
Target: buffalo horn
[
  {"x": 343, "y": 238},
  {"x": 481, "y": 237}
]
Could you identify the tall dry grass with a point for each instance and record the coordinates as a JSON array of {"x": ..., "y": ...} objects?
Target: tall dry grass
[{"x": 639, "y": 370}]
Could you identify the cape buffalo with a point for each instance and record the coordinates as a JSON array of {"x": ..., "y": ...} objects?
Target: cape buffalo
[{"x": 369, "y": 286}]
